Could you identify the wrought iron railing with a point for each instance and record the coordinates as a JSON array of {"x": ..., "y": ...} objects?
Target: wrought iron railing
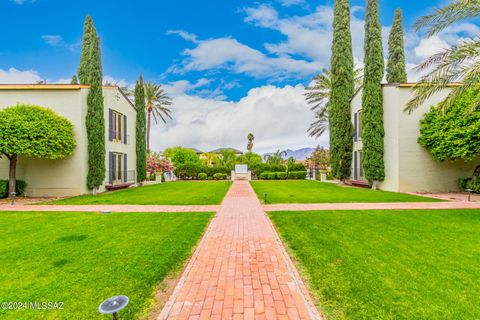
[{"x": 120, "y": 177}]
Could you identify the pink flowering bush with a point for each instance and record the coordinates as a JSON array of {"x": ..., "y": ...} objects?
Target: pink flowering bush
[{"x": 156, "y": 164}]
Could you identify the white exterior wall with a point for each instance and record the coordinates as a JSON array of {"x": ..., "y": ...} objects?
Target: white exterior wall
[
  {"x": 115, "y": 101},
  {"x": 50, "y": 177},
  {"x": 408, "y": 166},
  {"x": 68, "y": 176},
  {"x": 418, "y": 171}
]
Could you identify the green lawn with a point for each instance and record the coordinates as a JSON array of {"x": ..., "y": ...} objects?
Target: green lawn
[
  {"x": 83, "y": 258},
  {"x": 308, "y": 191},
  {"x": 419, "y": 264},
  {"x": 171, "y": 193}
]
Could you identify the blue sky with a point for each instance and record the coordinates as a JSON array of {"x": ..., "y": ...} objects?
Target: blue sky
[{"x": 214, "y": 57}]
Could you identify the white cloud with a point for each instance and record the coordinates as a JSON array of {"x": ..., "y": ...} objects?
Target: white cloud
[
  {"x": 289, "y": 3},
  {"x": 231, "y": 55},
  {"x": 278, "y": 117},
  {"x": 430, "y": 46},
  {"x": 184, "y": 35},
  {"x": 14, "y": 76},
  {"x": 55, "y": 40}
]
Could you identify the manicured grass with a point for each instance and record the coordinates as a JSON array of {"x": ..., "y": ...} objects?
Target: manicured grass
[
  {"x": 171, "y": 193},
  {"x": 419, "y": 264},
  {"x": 308, "y": 191},
  {"x": 83, "y": 258}
]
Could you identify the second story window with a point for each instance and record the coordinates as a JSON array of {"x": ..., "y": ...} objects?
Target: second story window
[{"x": 117, "y": 127}]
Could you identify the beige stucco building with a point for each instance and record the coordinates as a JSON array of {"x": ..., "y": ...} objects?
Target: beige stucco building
[
  {"x": 68, "y": 177},
  {"x": 408, "y": 166}
]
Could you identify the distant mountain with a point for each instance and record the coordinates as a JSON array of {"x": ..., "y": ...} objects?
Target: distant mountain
[{"x": 300, "y": 154}]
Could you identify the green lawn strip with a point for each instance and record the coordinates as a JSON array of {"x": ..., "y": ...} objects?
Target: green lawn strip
[
  {"x": 412, "y": 264},
  {"x": 83, "y": 258},
  {"x": 171, "y": 193},
  {"x": 308, "y": 191}
]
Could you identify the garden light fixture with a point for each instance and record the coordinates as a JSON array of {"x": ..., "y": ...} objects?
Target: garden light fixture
[{"x": 113, "y": 305}]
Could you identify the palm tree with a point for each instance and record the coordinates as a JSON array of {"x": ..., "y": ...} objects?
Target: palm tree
[
  {"x": 457, "y": 63},
  {"x": 250, "y": 138},
  {"x": 275, "y": 158},
  {"x": 318, "y": 94},
  {"x": 209, "y": 158},
  {"x": 156, "y": 102}
]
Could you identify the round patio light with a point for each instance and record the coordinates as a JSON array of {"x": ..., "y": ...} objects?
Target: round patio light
[{"x": 113, "y": 305}]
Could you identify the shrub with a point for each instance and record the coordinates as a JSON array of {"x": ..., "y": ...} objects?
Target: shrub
[
  {"x": 210, "y": 178},
  {"x": 297, "y": 175},
  {"x": 469, "y": 183},
  {"x": 296, "y": 167},
  {"x": 272, "y": 176},
  {"x": 264, "y": 175},
  {"x": 220, "y": 176},
  {"x": 202, "y": 176},
  {"x": 19, "y": 188},
  {"x": 281, "y": 175},
  {"x": 453, "y": 134}
]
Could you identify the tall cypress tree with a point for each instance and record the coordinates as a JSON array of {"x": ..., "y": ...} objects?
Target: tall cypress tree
[
  {"x": 90, "y": 73},
  {"x": 74, "y": 80},
  {"x": 372, "y": 98},
  {"x": 396, "y": 70},
  {"x": 341, "y": 129},
  {"x": 141, "y": 131}
]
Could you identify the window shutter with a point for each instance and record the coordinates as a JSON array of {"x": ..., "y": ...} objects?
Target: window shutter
[
  {"x": 110, "y": 125},
  {"x": 125, "y": 167},
  {"x": 355, "y": 123},
  {"x": 125, "y": 130},
  {"x": 110, "y": 167},
  {"x": 355, "y": 166}
]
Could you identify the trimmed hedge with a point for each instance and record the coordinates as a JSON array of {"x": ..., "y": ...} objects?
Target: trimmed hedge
[
  {"x": 297, "y": 175},
  {"x": 19, "y": 188},
  {"x": 202, "y": 176},
  {"x": 281, "y": 175},
  {"x": 220, "y": 176}
]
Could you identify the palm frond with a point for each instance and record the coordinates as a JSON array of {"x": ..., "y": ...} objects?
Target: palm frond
[
  {"x": 320, "y": 125},
  {"x": 445, "y": 16},
  {"x": 156, "y": 100},
  {"x": 455, "y": 64}
]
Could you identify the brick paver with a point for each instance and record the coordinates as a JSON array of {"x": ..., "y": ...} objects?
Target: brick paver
[{"x": 240, "y": 269}]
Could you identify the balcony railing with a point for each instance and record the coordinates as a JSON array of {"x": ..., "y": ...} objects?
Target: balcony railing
[
  {"x": 118, "y": 178},
  {"x": 115, "y": 137}
]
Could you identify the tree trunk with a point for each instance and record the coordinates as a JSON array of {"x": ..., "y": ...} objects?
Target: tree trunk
[
  {"x": 148, "y": 131},
  {"x": 94, "y": 191},
  {"x": 12, "y": 174},
  {"x": 374, "y": 185}
]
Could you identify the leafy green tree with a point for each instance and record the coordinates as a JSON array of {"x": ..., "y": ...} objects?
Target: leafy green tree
[
  {"x": 453, "y": 134},
  {"x": 396, "y": 70},
  {"x": 372, "y": 98},
  {"x": 180, "y": 155},
  {"x": 343, "y": 83},
  {"x": 90, "y": 73},
  {"x": 141, "y": 131},
  {"x": 74, "y": 80},
  {"x": 156, "y": 102},
  {"x": 210, "y": 159},
  {"x": 458, "y": 63},
  {"x": 318, "y": 94},
  {"x": 275, "y": 158},
  {"x": 228, "y": 158},
  {"x": 250, "y": 138},
  {"x": 33, "y": 132}
]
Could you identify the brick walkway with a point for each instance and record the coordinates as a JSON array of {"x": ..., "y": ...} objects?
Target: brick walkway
[
  {"x": 240, "y": 269},
  {"x": 371, "y": 206}
]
